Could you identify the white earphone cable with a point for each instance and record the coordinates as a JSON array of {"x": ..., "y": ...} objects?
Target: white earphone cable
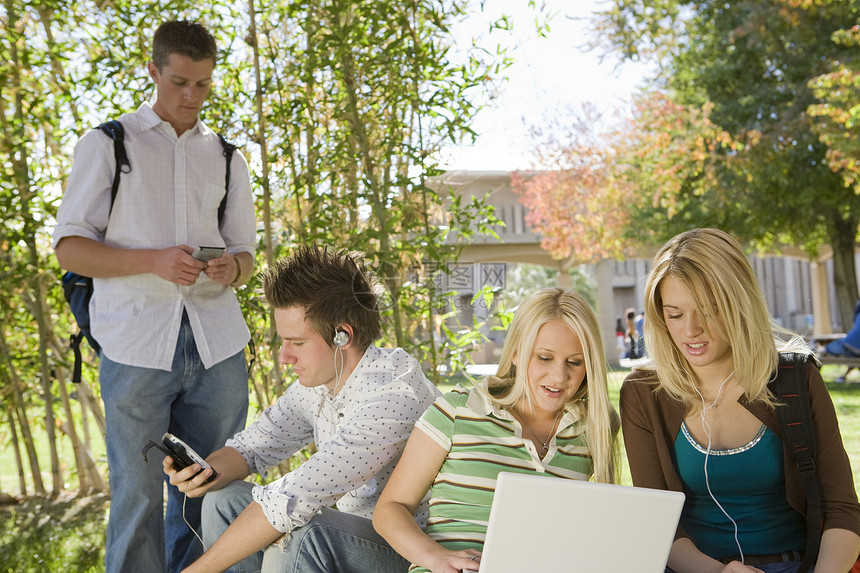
[
  {"x": 707, "y": 428},
  {"x": 338, "y": 370},
  {"x": 194, "y": 531}
]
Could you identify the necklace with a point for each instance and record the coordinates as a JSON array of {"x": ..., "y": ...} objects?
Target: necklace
[{"x": 544, "y": 443}]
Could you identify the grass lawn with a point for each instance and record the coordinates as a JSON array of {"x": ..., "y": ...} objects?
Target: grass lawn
[{"x": 68, "y": 534}]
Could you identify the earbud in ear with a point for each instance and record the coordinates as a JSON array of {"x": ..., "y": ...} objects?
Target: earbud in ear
[{"x": 341, "y": 338}]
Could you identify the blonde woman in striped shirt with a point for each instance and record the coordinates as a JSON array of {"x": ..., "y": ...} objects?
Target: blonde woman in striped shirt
[{"x": 545, "y": 411}]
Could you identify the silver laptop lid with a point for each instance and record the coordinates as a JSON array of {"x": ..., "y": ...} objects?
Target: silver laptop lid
[{"x": 541, "y": 523}]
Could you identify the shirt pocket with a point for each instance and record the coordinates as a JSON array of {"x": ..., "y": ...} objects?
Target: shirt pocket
[{"x": 209, "y": 203}]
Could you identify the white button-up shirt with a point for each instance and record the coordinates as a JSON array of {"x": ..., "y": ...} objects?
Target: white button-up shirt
[
  {"x": 359, "y": 435},
  {"x": 170, "y": 197}
]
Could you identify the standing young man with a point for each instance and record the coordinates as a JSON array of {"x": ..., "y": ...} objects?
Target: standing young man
[
  {"x": 356, "y": 402},
  {"x": 170, "y": 327}
]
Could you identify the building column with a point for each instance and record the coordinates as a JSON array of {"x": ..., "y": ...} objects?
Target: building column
[
  {"x": 820, "y": 298},
  {"x": 606, "y": 310}
]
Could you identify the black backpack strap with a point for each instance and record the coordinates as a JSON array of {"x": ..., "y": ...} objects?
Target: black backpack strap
[
  {"x": 72, "y": 282},
  {"x": 795, "y": 418},
  {"x": 75, "y": 343},
  {"x": 229, "y": 148},
  {"x": 115, "y": 131},
  {"x": 252, "y": 352}
]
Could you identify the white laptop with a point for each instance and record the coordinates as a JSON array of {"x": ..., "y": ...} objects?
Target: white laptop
[{"x": 540, "y": 523}]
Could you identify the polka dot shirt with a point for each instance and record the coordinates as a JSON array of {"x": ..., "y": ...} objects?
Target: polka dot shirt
[{"x": 359, "y": 435}]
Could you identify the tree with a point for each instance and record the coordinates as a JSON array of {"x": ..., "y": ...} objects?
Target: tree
[
  {"x": 34, "y": 94},
  {"x": 748, "y": 64},
  {"x": 837, "y": 120},
  {"x": 340, "y": 106},
  {"x": 372, "y": 93}
]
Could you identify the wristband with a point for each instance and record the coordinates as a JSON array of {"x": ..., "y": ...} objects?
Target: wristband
[{"x": 238, "y": 271}]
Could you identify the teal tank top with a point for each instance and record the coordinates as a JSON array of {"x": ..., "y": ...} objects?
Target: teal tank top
[{"x": 749, "y": 483}]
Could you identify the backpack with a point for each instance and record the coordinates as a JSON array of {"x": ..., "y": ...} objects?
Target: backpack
[
  {"x": 78, "y": 289},
  {"x": 795, "y": 419}
]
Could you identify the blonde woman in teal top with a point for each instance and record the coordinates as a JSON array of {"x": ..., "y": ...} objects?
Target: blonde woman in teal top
[
  {"x": 701, "y": 418},
  {"x": 546, "y": 411}
]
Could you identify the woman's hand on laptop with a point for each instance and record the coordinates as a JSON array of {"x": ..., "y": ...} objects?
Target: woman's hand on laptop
[{"x": 446, "y": 561}]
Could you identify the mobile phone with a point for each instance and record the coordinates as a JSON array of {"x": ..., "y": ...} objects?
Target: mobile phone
[
  {"x": 183, "y": 455},
  {"x": 207, "y": 253}
]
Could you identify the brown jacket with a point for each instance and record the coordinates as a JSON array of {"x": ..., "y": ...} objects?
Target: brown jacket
[{"x": 651, "y": 420}]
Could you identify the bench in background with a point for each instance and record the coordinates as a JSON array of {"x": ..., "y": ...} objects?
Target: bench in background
[
  {"x": 839, "y": 360},
  {"x": 819, "y": 341}
]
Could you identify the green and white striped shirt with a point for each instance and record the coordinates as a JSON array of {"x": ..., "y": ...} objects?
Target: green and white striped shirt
[{"x": 483, "y": 440}]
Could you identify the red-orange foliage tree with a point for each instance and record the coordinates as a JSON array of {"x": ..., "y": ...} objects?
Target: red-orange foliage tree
[
  {"x": 600, "y": 195},
  {"x": 567, "y": 194}
]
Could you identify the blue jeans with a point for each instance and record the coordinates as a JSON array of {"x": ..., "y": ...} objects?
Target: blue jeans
[
  {"x": 330, "y": 541},
  {"x": 203, "y": 408},
  {"x": 790, "y": 567},
  {"x": 220, "y": 509}
]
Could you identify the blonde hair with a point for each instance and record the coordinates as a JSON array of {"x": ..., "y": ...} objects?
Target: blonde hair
[
  {"x": 591, "y": 400},
  {"x": 712, "y": 266}
]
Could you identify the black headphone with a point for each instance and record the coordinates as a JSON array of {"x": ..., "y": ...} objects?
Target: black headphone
[{"x": 341, "y": 338}]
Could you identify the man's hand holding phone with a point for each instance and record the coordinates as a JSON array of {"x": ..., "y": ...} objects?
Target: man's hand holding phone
[
  {"x": 190, "y": 480},
  {"x": 221, "y": 266},
  {"x": 174, "y": 264},
  {"x": 187, "y": 470}
]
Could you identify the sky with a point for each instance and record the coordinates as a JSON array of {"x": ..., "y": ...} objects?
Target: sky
[{"x": 548, "y": 73}]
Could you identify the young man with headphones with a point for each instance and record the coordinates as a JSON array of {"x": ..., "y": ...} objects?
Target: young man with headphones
[{"x": 356, "y": 402}]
